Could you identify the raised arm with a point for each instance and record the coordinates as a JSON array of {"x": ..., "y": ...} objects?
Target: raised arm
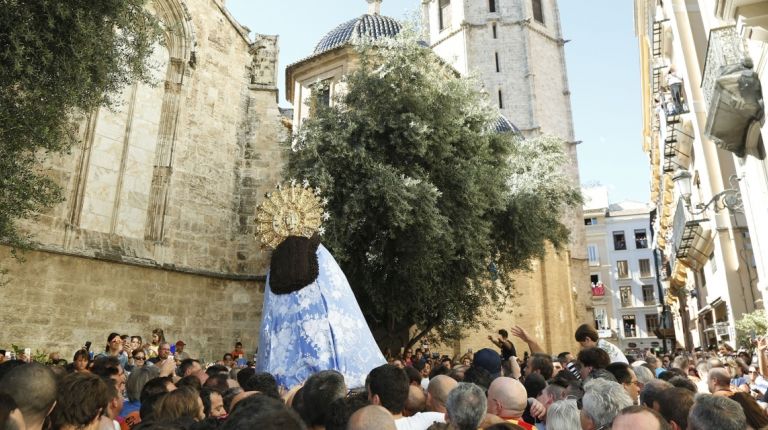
[
  {"x": 533, "y": 345},
  {"x": 495, "y": 341},
  {"x": 762, "y": 347}
]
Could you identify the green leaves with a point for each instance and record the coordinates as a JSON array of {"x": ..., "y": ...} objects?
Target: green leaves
[
  {"x": 59, "y": 59},
  {"x": 749, "y": 327},
  {"x": 423, "y": 195}
]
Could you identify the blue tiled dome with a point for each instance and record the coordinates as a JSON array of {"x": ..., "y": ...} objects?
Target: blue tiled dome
[
  {"x": 503, "y": 125},
  {"x": 374, "y": 26}
]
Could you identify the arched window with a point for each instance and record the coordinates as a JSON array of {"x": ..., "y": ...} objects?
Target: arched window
[{"x": 125, "y": 164}]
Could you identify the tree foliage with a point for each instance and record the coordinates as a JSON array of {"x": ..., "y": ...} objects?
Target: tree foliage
[
  {"x": 429, "y": 205},
  {"x": 750, "y": 326},
  {"x": 59, "y": 58}
]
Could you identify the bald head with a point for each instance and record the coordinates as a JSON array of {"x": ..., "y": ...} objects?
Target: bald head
[
  {"x": 439, "y": 388},
  {"x": 507, "y": 396},
  {"x": 33, "y": 387},
  {"x": 371, "y": 417},
  {"x": 416, "y": 401},
  {"x": 719, "y": 378}
]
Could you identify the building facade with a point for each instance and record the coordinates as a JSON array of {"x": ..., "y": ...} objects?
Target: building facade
[
  {"x": 157, "y": 227},
  {"x": 516, "y": 49},
  {"x": 600, "y": 281},
  {"x": 702, "y": 64},
  {"x": 623, "y": 275}
]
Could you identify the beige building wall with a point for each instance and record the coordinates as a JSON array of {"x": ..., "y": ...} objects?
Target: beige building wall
[
  {"x": 541, "y": 307},
  {"x": 326, "y": 69},
  {"x": 166, "y": 184},
  {"x": 57, "y": 302}
]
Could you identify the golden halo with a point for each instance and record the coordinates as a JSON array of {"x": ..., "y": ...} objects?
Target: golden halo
[{"x": 293, "y": 210}]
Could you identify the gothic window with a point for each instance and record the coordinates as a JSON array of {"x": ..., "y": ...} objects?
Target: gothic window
[
  {"x": 496, "y": 55},
  {"x": 538, "y": 12},
  {"x": 493, "y": 29},
  {"x": 492, "y": 6},
  {"x": 444, "y": 13},
  {"x": 117, "y": 175},
  {"x": 124, "y": 170},
  {"x": 501, "y": 101}
]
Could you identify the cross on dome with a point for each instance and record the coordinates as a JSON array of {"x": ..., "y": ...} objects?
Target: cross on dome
[{"x": 374, "y": 7}]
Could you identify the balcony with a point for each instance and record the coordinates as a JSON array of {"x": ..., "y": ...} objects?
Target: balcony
[
  {"x": 598, "y": 290},
  {"x": 692, "y": 241},
  {"x": 696, "y": 244},
  {"x": 677, "y": 135},
  {"x": 733, "y": 94}
]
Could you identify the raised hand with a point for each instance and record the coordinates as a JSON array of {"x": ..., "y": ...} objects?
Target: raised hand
[{"x": 521, "y": 333}]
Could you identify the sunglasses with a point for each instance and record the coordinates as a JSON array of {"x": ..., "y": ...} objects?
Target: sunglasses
[{"x": 139, "y": 358}]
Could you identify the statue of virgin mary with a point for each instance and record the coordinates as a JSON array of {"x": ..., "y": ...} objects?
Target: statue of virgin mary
[{"x": 310, "y": 320}]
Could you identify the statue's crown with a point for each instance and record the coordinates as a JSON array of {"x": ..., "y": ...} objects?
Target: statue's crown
[{"x": 291, "y": 210}]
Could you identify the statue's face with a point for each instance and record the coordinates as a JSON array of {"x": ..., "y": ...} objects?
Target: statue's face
[{"x": 292, "y": 219}]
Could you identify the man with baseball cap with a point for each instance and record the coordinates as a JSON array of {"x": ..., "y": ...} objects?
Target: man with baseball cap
[
  {"x": 180, "y": 354},
  {"x": 488, "y": 360}
]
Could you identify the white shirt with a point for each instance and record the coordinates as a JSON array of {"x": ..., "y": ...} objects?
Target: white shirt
[
  {"x": 673, "y": 79},
  {"x": 425, "y": 383},
  {"x": 613, "y": 351},
  {"x": 420, "y": 421}
]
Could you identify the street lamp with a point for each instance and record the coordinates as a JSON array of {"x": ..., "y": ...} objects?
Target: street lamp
[{"x": 730, "y": 198}]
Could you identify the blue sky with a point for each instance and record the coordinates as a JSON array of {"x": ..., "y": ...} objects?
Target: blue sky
[{"x": 603, "y": 73}]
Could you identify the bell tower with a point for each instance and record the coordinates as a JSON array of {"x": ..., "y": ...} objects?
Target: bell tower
[{"x": 516, "y": 49}]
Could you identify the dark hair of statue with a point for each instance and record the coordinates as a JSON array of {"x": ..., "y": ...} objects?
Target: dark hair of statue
[{"x": 294, "y": 264}]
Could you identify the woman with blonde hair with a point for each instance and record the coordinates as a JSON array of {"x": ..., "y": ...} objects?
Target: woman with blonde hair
[
  {"x": 180, "y": 403},
  {"x": 158, "y": 338}
]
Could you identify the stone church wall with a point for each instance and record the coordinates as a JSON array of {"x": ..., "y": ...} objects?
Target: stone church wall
[
  {"x": 157, "y": 226},
  {"x": 57, "y": 302}
]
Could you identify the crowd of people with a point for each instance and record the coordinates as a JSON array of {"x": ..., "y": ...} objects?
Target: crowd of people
[{"x": 156, "y": 385}]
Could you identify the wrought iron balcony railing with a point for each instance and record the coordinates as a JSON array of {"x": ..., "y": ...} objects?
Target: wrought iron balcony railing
[{"x": 725, "y": 49}]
